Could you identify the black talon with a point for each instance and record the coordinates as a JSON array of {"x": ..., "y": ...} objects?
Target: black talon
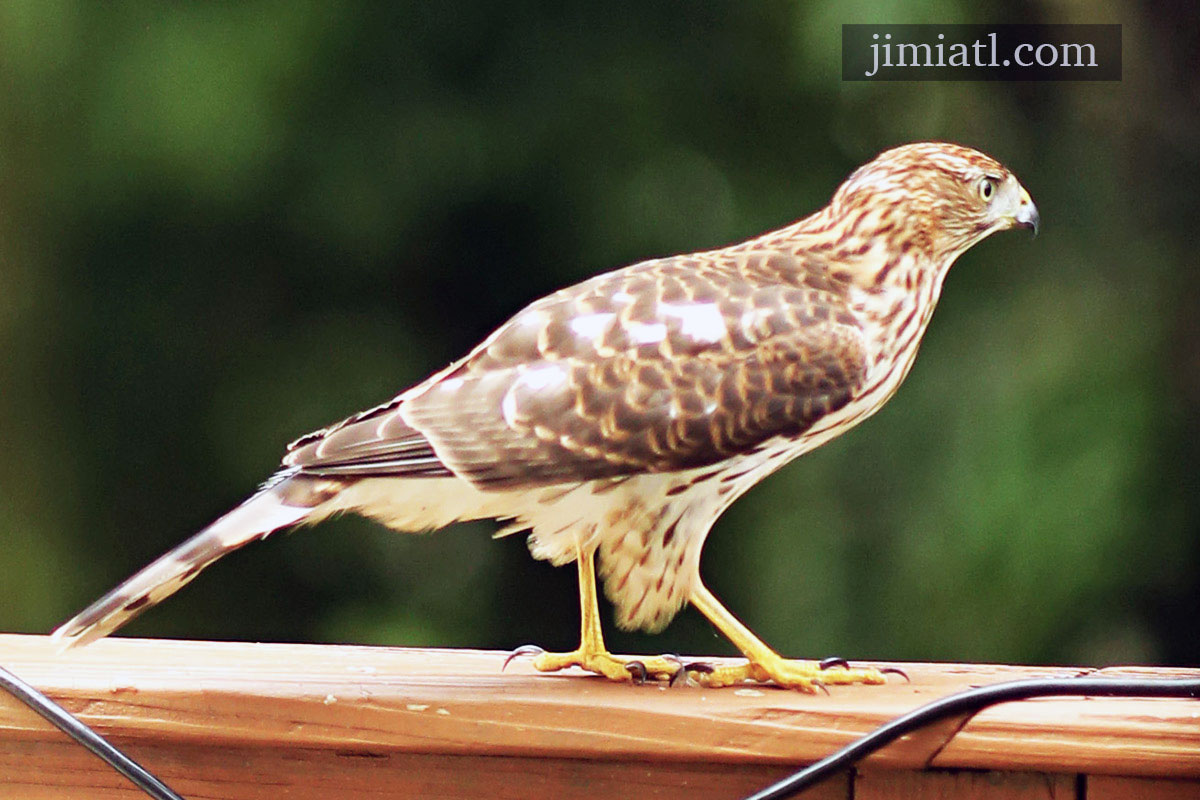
[
  {"x": 701, "y": 667},
  {"x": 523, "y": 650},
  {"x": 821, "y": 685},
  {"x": 896, "y": 671},
  {"x": 679, "y": 674},
  {"x": 638, "y": 670},
  {"x": 833, "y": 661}
]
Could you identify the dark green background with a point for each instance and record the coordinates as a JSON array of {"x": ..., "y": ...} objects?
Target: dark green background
[{"x": 225, "y": 224}]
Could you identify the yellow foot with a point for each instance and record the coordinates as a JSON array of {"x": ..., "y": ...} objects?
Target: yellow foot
[
  {"x": 807, "y": 676},
  {"x": 616, "y": 668}
]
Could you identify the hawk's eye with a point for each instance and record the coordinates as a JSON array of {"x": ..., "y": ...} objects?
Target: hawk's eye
[{"x": 987, "y": 187}]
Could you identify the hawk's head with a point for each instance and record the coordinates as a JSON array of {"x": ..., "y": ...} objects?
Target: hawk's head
[{"x": 938, "y": 197}]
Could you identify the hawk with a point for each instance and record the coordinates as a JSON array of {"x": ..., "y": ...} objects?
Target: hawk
[{"x": 616, "y": 419}]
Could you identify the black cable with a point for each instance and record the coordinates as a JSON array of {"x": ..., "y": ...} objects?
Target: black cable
[
  {"x": 973, "y": 701},
  {"x": 62, "y": 719}
]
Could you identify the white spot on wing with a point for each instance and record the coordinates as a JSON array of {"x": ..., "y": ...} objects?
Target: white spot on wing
[
  {"x": 508, "y": 408},
  {"x": 532, "y": 381},
  {"x": 642, "y": 333},
  {"x": 591, "y": 326},
  {"x": 542, "y": 378},
  {"x": 752, "y": 319},
  {"x": 700, "y": 322}
]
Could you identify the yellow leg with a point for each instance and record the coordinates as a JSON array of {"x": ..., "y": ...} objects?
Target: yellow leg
[
  {"x": 590, "y": 654},
  {"x": 764, "y": 664}
]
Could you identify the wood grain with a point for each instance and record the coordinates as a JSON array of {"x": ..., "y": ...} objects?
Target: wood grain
[
  {"x": 958, "y": 785},
  {"x": 222, "y": 716},
  {"x": 57, "y": 770},
  {"x": 1111, "y": 787}
]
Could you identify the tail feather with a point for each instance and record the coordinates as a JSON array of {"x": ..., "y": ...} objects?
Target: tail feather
[{"x": 282, "y": 503}]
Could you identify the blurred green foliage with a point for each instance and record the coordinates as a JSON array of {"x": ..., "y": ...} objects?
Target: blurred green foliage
[{"x": 225, "y": 224}]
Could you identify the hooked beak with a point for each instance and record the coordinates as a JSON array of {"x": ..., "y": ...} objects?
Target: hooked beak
[{"x": 1027, "y": 215}]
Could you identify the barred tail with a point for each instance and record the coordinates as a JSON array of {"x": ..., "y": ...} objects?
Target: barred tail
[{"x": 287, "y": 500}]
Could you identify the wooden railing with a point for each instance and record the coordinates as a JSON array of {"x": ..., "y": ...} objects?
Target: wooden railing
[{"x": 243, "y": 721}]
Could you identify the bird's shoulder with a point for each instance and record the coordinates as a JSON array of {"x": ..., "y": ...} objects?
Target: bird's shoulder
[{"x": 676, "y": 307}]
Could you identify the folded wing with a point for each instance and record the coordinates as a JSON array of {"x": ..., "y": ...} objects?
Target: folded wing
[{"x": 663, "y": 366}]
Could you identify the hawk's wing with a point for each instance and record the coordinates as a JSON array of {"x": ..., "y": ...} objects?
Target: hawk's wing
[{"x": 662, "y": 366}]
